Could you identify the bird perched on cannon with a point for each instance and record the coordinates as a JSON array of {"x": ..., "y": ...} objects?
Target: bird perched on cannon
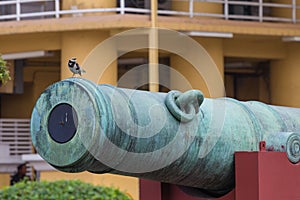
[{"x": 74, "y": 67}]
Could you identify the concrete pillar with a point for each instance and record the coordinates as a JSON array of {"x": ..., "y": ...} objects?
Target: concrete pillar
[
  {"x": 153, "y": 50},
  {"x": 284, "y": 76}
]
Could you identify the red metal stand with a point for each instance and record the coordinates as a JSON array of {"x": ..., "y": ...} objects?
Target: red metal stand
[{"x": 259, "y": 176}]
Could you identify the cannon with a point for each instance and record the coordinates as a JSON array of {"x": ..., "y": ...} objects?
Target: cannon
[{"x": 174, "y": 137}]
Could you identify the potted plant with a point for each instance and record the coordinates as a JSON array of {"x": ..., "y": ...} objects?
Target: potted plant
[{"x": 4, "y": 72}]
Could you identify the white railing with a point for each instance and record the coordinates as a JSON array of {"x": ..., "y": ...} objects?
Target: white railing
[
  {"x": 254, "y": 10},
  {"x": 15, "y": 141},
  {"x": 16, "y": 134},
  {"x": 12, "y": 9}
]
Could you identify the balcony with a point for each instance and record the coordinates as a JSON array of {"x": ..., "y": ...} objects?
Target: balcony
[{"x": 284, "y": 11}]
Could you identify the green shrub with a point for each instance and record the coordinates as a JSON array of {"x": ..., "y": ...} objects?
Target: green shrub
[{"x": 60, "y": 190}]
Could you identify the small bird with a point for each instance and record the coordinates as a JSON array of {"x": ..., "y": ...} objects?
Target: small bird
[{"x": 74, "y": 67}]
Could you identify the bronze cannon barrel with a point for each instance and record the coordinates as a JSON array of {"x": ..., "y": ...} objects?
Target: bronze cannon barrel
[{"x": 179, "y": 138}]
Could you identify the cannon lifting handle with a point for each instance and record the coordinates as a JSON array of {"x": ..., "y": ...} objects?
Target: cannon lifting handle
[{"x": 184, "y": 106}]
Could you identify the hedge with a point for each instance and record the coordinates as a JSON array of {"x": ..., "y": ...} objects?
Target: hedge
[{"x": 60, "y": 190}]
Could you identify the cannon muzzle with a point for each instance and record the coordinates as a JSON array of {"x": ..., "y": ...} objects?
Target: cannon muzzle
[{"x": 174, "y": 137}]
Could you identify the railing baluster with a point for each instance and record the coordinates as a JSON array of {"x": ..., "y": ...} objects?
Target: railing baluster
[
  {"x": 18, "y": 10},
  {"x": 122, "y": 5},
  {"x": 226, "y": 9},
  {"x": 191, "y": 8},
  {"x": 294, "y": 11},
  {"x": 260, "y": 10},
  {"x": 57, "y": 9}
]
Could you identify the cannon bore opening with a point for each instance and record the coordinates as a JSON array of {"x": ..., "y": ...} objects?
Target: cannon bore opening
[{"x": 62, "y": 123}]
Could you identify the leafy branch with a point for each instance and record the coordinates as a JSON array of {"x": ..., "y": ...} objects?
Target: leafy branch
[{"x": 4, "y": 72}]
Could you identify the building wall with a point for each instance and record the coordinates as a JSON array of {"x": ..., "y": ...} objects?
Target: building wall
[
  {"x": 4, "y": 180},
  {"x": 14, "y": 43},
  {"x": 284, "y": 78},
  {"x": 191, "y": 78},
  {"x": 21, "y": 105},
  {"x": 87, "y": 4},
  {"x": 267, "y": 49},
  {"x": 80, "y": 45},
  {"x": 257, "y": 47}
]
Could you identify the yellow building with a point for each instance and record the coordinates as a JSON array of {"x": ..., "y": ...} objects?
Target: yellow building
[{"x": 254, "y": 45}]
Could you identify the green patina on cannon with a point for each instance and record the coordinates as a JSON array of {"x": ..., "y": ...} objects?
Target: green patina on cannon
[{"x": 179, "y": 138}]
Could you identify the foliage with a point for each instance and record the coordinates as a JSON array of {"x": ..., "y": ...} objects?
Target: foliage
[
  {"x": 4, "y": 72},
  {"x": 60, "y": 190}
]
